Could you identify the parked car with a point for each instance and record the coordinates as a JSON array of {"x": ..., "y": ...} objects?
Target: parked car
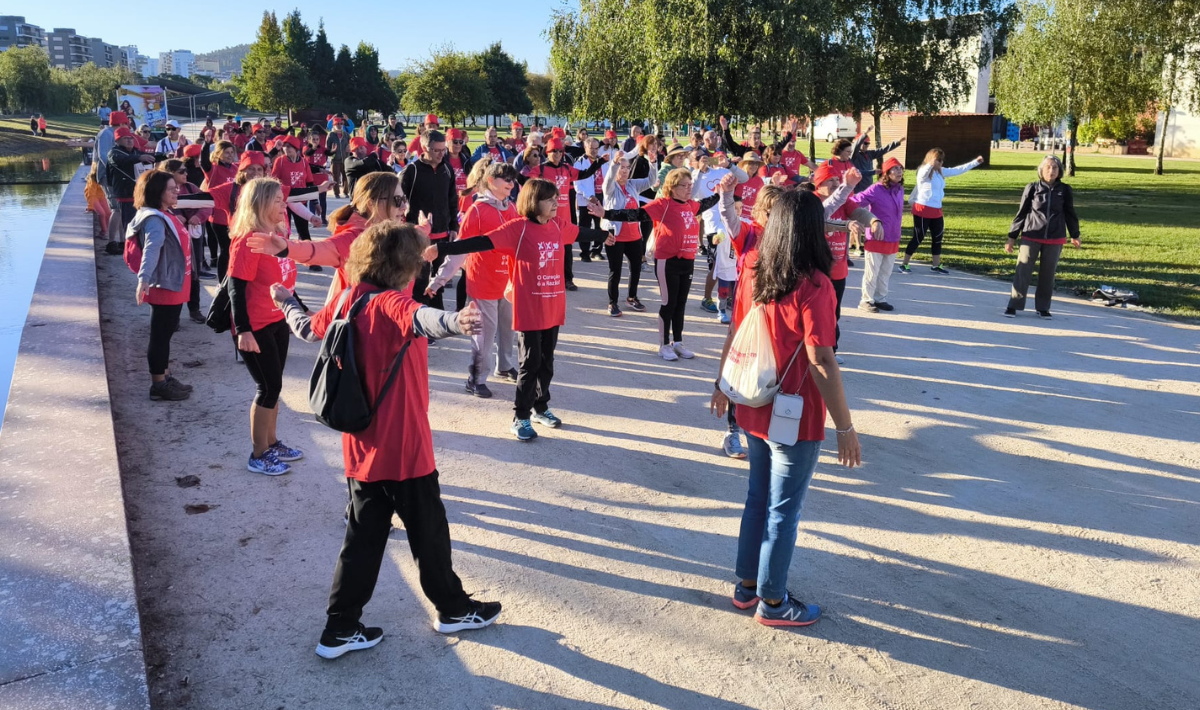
[{"x": 835, "y": 126}]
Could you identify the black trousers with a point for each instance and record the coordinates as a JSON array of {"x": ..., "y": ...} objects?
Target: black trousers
[
  {"x": 674, "y": 283},
  {"x": 418, "y": 502},
  {"x": 618, "y": 252},
  {"x": 301, "y": 226},
  {"x": 535, "y": 353},
  {"x": 934, "y": 227},
  {"x": 839, "y": 288},
  {"x": 427, "y": 272},
  {"x": 221, "y": 251},
  {"x": 460, "y": 292},
  {"x": 590, "y": 238},
  {"x": 163, "y": 322},
  {"x": 266, "y": 365}
]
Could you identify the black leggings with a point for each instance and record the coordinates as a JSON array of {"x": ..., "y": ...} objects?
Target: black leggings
[
  {"x": 590, "y": 238},
  {"x": 163, "y": 322},
  {"x": 218, "y": 247},
  {"x": 934, "y": 226},
  {"x": 266, "y": 365},
  {"x": 674, "y": 283},
  {"x": 535, "y": 353},
  {"x": 301, "y": 226},
  {"x": 616, "y": 254},
  {"x": 839, "y": 288}
]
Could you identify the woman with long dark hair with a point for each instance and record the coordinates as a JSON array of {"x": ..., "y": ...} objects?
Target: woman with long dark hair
[{"x": 787, "y": 274}]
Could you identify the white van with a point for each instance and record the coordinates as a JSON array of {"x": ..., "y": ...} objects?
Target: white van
[{"x": 835, "y": 126}]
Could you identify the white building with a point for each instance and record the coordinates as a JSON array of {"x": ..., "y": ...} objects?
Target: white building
[
  {"x": 150, "y": 67},
  {"x": 1182, "y": 137},
  {"x": 177, "y": 61}
]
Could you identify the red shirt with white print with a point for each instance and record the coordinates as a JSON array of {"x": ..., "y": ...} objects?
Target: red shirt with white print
[
  {"x": 291, "y": 175},
  {"x": 747, "y": 192},
  {"x": 539, "y": 287},
  {"x": 260, "y": 271},
  {"x": 676, "y": 228},
  {"x": 792, "y": 160},
  {"x": 460, "y": 177}
]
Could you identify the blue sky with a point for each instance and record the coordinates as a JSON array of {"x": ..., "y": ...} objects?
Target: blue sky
[{"x": 401, "y": 31}]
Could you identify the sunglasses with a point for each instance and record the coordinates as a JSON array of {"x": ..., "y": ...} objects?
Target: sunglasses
[
  {"x": 171, "y": 129},
  {"x": 181, "y": 171},
  {"x": 399, "y": 200},
  {"x": 458, "y": 142}
]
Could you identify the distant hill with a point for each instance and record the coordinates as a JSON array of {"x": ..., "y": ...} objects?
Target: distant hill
[{"x": 229, "y": 59}]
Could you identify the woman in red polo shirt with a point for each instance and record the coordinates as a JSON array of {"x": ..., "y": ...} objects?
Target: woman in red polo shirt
[
  {"x": 535, "y": 242},
  {"x": 258, "y": 324},
  {"x": 389, "y": 465},
  {"x": 787, "y": 275},
  {"x": 677, "y": 238}
]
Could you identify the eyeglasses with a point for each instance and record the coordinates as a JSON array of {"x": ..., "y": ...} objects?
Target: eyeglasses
[{"x": 181, "y": 171}]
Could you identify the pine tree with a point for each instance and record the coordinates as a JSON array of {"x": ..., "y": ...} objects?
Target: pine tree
[
  {"x": 297, "y": 39},
  {"x": 345, "y": 84},
  {"x": 320, "y": 68}
]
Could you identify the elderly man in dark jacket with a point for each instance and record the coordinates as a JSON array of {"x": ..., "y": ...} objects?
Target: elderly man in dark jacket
[{"x": 122, "y": 172}]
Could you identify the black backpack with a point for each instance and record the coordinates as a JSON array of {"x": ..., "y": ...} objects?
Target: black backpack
[{"x": 335, "y": 390}]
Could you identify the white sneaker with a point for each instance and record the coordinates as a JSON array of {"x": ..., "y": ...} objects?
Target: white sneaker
[
  {"x": 683, "y": 352},
  {"x": 668, "y": 353}
]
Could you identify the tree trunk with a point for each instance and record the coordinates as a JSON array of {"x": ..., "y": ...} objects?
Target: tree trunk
[
  {"x": 1072, "y": 124},
  {"x": 1161, "y": 136},
  {"x": 878, "y": 116}
]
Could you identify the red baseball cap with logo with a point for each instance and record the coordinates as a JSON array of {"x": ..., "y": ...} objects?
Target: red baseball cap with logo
[
  {"x": 457, "y": 134},
  {"x": 431, "y": 120}
]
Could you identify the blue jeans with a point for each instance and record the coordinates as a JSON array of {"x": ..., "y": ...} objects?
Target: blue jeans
[{"x": 779, "y": 477}]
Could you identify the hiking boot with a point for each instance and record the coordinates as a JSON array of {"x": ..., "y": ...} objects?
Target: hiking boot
[
  {"x": 523, "y": 429},
  {"x": 283, "y": 452},
  {"x": 614, "y": 311},
  {"x": 709, "y": 304},
  {"x": 634, "y": 303},
  {"x": 268, "y": 464},
  {"x": 868, "y": 307},
  {"x": 789, "y": 613},
  {"x": 168, "y": 391},
  {"x": 334, "y": 644},
  {"x": 547, "y": 418},
  {"x": 480, "y": 614},
  {"x": 744, "y": 597}
]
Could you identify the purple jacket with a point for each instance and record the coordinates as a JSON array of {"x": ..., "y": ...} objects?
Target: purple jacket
[{"x": 887, "y": 204}]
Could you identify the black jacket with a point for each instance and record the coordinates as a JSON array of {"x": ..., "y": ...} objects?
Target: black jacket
[
  {"x": 356, "y": 168},
  {"x": 121, "y": 175},
  {"x": 431, "y": 190},
  {"x": 735, "y": 149},
  {"x": 1047, "y": 211}
]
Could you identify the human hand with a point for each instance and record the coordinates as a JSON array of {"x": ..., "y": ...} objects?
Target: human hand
[
  {"x": 1008, "y": 246},
  {"x": 470, "y": 319},
  {"x": 324, "y": 187},
  {"x": 779, "y": 179},
  {"x": 194, "y": 219},
  {"x": 139, "y": 296},
  {"x": 594, "y": 208},
  {"x": 430, "y": 253},
  {"x": 147, "y": 158},
  {"x": 1076, "y": 243},
  {"x": 246, "y": 343},
  {"x": 851, "y": 177},
  {"x": 266, "y": 243},
  {"x": 314, "y": 221},
  {"x": 612, "y": 239},
  {"x": 849, "y": 450},
  {"x": 727, "y": 184},
  {"x": 279, "y": 294},
  {"x": 719, "y": 403},
  {"x": 724, "y": 123}
]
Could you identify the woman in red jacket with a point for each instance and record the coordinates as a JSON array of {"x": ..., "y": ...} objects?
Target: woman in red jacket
[
  {"x": 535, "y": 243},
  {"x": 390, "y": 466}
]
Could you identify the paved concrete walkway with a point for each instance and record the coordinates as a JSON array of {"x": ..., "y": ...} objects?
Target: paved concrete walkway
[
  {"x": 1024, "y": 534},
  {"x": 69, "y": 630}
]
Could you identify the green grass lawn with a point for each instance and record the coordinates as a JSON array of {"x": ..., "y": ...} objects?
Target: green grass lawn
[
  {"x": 1139, "y": 231},
  {"x": 16, "y": 139}
]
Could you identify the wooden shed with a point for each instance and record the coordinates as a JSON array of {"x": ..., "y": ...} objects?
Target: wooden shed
[{"x": 961, "y": 135}]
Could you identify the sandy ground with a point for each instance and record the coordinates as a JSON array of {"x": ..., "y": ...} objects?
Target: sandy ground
[{"x": 1024, "y": 533}]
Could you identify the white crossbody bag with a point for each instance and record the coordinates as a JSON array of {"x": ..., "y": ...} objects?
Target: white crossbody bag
[{"x": 786, "y": 411}]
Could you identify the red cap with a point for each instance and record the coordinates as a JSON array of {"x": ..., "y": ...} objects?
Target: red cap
[
  {"x": 431, "y": 120},
  {"x": 457, "y": 133},
  {"x": 824, "y": 174},
  {"x": 122, "y": 132},
  {"x": 252, "y": 157},
  {"x": 337, "y": 121},
  {"x": 558, "y": 132},
  {"x": 118, "y": 118},
  {"x": 610, "y": 134},
  {"x": 891, "y": 163},
  {"x": 271, "y": 144},
  {"x": 293, "y": 141},
  {"x": 192, "y": 150},
  {"x": 356, "y": 143},
  {"x": 554, "y": 144},
  {"x": 518, "y": 124}
]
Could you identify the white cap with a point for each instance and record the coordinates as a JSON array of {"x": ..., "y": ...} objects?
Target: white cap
[{"x": 172, "y": 124}]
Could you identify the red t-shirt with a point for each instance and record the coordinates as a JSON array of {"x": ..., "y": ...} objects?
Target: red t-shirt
[
  {"x": 219, "y": 181},
  {"x": 630, "y": 232},
  {"x": 539, "y": 289},
  {"x": 839, "y": 167},
  {"x": 460, "y": 177},
  {"x": 806, "y": 316},
  {"x": 766, "y": 171},
  {"x": 398, "y": 444},
  {"x": 414, "y": 147},
  {"x": 562, "y": 176},
  {"x": 487, "y": 271},
  {"x": 920, "y": 210},
  {"x": 676, "y": 228},
  {"x": 839, "y": 242},
  {"x": 291, "y": 175},
  {"x": 239, "y": 141},
  {"x": 343, "y": 237},
  {"x": 261, "y": 271},
  {"x": 792, "y": 160},
  {"x": 747, "y": 192},
  {"x": 161, "y": 296},
  {"x": 318, "y": 159}
]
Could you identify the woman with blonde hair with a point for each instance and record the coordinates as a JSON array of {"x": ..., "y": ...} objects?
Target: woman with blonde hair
[
  {"x": 258, "y": 324},
  {"x": 390, "y": 466},
  {"x": 1045, "y": 217},
  {"x": 926, "y": 201}
]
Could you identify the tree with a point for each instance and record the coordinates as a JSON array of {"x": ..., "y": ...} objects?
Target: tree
[
  {"x": 1077, "y": 59},
  {"x": 1178, "y": 38},
  {"x": 450, "y": 85},
  {"x": 282, "y": 85},
  {"x": 598, "y": 60},
  {"x": 374, "y": 90},
  {"x": 507, "y": 81},
  {"x": 97, "y": 86},
  {"x": 297, "y": 39},
  {"x": 539, "y": 93},
  {"x": 320, "y": 68},
  {"x": 267, "y": 51},
  {"x": 345, "y": 88},
  {"x": 25, "y": 78}
]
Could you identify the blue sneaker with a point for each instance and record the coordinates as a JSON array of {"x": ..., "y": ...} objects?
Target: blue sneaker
[
  {"x": 283, "y": 452},
  {"x": 547, "y": 417},
  {"x": 268, "y": 464},
  {"x": 789, "y": 613},
  {"x": 724, "y": 317},
  {"x": 523, "y": 429},
  {"x": 733, "y": 445},
  {"x": 709, "y": 305},
  {"x": 743, "y": 597}
]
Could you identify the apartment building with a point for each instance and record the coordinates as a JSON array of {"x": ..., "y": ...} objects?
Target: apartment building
[
  {"x": 16, "y": 32},
  {"x": 67, "y": 48}
]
